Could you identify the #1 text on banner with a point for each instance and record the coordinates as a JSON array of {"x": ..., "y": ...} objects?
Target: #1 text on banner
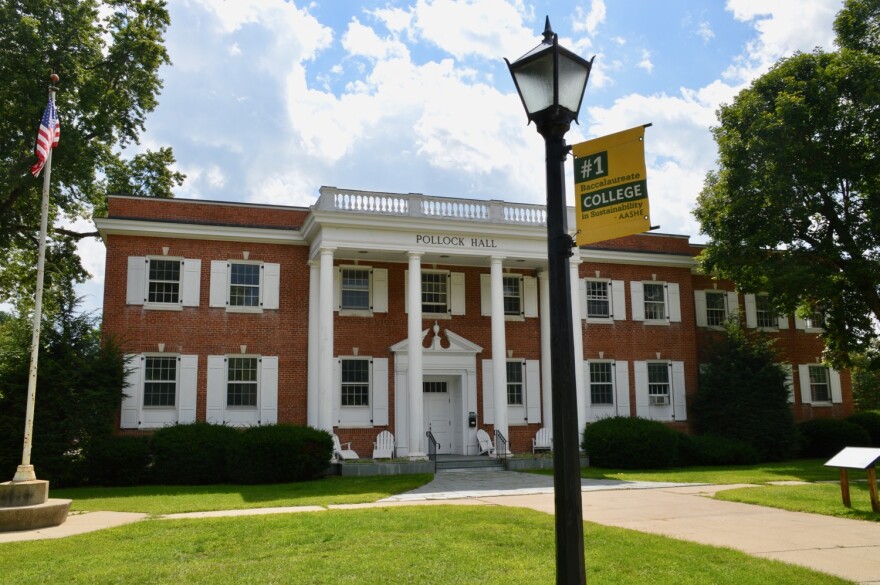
[{"x": 610, "y": 186}]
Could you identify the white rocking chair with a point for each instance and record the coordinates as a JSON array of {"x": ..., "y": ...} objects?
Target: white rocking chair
[
  {"x": 542, "y": 441},
  {"x": 484, "y": 443},
  {"x": 340, "y": 453},
  {"x": 384, "y": 446}
]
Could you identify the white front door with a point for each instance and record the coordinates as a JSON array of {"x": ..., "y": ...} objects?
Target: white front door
[{"x": 437, "y": 401}]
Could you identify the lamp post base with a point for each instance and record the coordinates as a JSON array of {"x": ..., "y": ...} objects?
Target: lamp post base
[{"x": 24, "y": 473}]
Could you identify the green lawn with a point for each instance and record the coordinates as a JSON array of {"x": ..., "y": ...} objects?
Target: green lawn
[
  {"x": 822, "y": 498},
  {"x": 412, "y": 545},
  {"x": 798, "y": 470},
  {"x": 159, "y": 500}
]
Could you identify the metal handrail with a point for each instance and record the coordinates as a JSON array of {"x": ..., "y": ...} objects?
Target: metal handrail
[
  {"x": 501, "y": 450},
  {"x": 433, "y": 446}
]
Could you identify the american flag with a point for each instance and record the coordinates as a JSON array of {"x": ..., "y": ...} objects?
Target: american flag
[{"x": 47, "y": 137}]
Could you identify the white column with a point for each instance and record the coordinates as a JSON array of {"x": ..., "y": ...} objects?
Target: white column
[
  {"x": 325, "y": 343},
  {"x": 578, "y": 330},
  {"x": 414, "y": 373},
  {"x": 312, "y": 418},
  {"x": 546, "y": 377},
  {"x": 499, "y": 348}
]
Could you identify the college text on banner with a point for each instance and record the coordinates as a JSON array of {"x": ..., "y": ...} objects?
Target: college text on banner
[{"x": 610, "y": 186}]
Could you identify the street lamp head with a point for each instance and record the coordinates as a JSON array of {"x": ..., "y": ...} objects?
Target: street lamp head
[{"x": 551, "y": 81}]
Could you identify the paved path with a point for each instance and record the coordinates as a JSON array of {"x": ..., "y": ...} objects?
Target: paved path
[{"x": 846, "y": 548}]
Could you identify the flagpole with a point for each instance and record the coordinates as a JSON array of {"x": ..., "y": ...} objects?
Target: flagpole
[{"x": 25, "y": 471}]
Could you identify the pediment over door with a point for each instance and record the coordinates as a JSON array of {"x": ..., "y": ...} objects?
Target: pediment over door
[{"x": 442, "y": 342}]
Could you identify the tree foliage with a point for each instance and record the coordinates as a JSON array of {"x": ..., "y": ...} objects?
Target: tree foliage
[
  {"x": 794, "y": 207},
  {"x": 743, "y": 394},
  {"x": 108, "y": 56},
  {"x": 866, "y": 379},
  {"x": 79, "y": 389}
]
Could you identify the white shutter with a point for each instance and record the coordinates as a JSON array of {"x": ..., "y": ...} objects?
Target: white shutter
[
  {"x": 269, "y": 390},
  {"x": 380, "y": 392},
  {"x": 456, "y": 293},
  {"x": 618, "y": 300},
  {"x": 700, "y": 307},
  {"x": 799, "y": 323},
  {"x": 640, "y": 370},
  {"x": 678, "y": 391},
  {"x": 836, "y": 391},
  {"x": 673, "y": 302},
  {"x": 488, "y": 394},
  {"x": 219, "y": 285},
  {"x": 751, "y": 311},
  {"x": 621, "y": 388},
  {"x": 486, "y": 295},
  {"x": 271, "y": 284},
  {"x": 582, "y": 297},
  {"x": 336, "y": 392},
  {"x": 191, "y": 269},
  {"x": 136, "y": 281},
  {"x": 783, "y": 322},
  {"x": 637, "y": 296},
  {"x": 131, "y": 402},
  {"x": 189, "y": 368},
  {"x": 732, "y": 303},
  {"x": 337, "y": 288},
  {"x": 215, "y": 402},
  {"x": 380, "y": 290},
  {"x": 533, "y": 391},
  {"x": 530, "y": 297},
  {"x": 804, "y": 379}
]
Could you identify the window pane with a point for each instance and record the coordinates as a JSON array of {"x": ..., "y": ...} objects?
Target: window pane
[
  {"x": 241, "y": 387},
  {"x": 601, "y": 383},
  {"x": 434, "y": 293},
  {"x": 164, "y": 281},
  {"x": 244, "y": 285},
  {"x": 764, "y": 311},
  {"x": 160, "y": 381},
  {"x": 655, "y": 302},
  {"x": 716, "y": 308},
  {"x": 820, "y": 389},
  {"x": 515, "y": 383},
  {"x": 434, "y": 387},
  {"x": 355, "y": 382},
  {"x": 511, "y": 287},
  {"x": 658, "y": 379},
  {"x": 355, "y": 289},
  {"x": 598, "y": 304}
]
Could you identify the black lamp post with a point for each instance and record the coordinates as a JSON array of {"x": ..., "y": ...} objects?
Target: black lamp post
[{"x": 551, "y": 81}]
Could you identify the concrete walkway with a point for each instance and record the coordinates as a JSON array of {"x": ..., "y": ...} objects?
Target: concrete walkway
[{"x": 846, "y": 548}]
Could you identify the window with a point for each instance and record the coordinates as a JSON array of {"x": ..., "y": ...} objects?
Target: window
[
  {"x": 601, "y": 383},
  {"x": 820, "y": 385},
  {"x": 241, "y": 383},
  {"x": 244, "y": 285},
  {"x": 355, "y": 382},
  {"x": 163, "y": 283},
  {"x": 355, "y": 287},
  {"x": 515, "y": 383},
  {"x": 716, "y": 308},
  {"x": 435, "y": 292},
  {"x": 512, "y": 287},
  {"x": 655, "y": 302},
  {"x": 435, "y": 387},
  {"x": 160, "y": 381},
  {"x": 658, "y": 379},
  {"x": 598, "y": 299},
  {"x": 816, "y": 320},
  {"x": 764, "y": 313}
]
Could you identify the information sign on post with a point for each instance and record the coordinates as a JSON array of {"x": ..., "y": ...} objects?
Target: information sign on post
[{"x": 610, "y": 186}]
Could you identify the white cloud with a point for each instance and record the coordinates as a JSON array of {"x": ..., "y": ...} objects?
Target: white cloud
[
  {"x": 645, "y": 63},
  {"x": 589, "y": 22},
  {"x": 705, "y": 32},
  {"x": 363, "y": 41}
]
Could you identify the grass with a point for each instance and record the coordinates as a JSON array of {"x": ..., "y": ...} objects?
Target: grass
[
  {"x": 823, "y": 498},
  {"x": 798, "y": 470},
  {"x": 412, "y": 545},
  {"x": 157, "y": 500}
]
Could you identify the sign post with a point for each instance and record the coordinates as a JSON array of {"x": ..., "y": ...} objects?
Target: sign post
[{"x": 610, "y": 186}]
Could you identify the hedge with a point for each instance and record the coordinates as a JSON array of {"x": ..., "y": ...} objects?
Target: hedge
[
  {"x": 630, "y": 443},
  {"x": 825, "y": 437}
]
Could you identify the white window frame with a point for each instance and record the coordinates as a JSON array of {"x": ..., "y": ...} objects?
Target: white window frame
[
  {"x": 373, "y": 414},
  {"x": 619, "y": 390},
  {"x": 702, "y": 310},
  {"x": 138, "y": 282},
  {"x": 445, "y": 274},
  {"x": 377, "y": 295},
  {"x": 808, "y": 324},
  {"x": 835, "y": 395},
  {"x": 217, "y": 408},
  {"x": 221, "y": 284},
  {"x": 676, "y": 407},
  {"x": 517, "y": 415},
  {"x": 519, "y": 296},
  {"x": 230, "y": 359},
  {"x": 134, "y": 415},
  {"x": 751, "y": 305},
  {"x": 608, "y": 299},
  {"x": 528, "y": 296},
  {"x": 671, "y": 300}
]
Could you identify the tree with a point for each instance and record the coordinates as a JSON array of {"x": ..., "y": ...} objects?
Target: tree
[
  {"x": 743, "y": 394},
  {"x": 794, "y": 207},
  {"x": 858, "y": 26},
  {"x": 866, "y": 379},
  {"x": 108, "y": 56},
  {"x": 80, "y": 389}
]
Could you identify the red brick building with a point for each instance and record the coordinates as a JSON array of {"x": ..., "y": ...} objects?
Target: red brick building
[{"x": 374, "y": 311}]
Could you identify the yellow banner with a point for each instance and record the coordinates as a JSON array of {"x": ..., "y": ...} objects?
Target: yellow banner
[{"x": 610, "y": 186}]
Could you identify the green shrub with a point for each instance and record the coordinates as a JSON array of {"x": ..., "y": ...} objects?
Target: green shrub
[
  {"x": 116, "y": 461},
  {"x": 825, "y": 437},
  {"x": 279, "y": 454},
  {"x": 870, "y": 421},
  {"x": 192, "y": 454},
  {"x": 630, "y": 443},
  {"x": 715, "y": 450}
]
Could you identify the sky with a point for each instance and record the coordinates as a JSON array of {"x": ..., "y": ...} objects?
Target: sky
[{"x": 267, "y": 100}]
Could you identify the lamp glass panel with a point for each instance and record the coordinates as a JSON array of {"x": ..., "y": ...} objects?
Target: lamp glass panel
[
  {"x": 535, "y": 82},
  {"x": 572, "y": 81}
]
